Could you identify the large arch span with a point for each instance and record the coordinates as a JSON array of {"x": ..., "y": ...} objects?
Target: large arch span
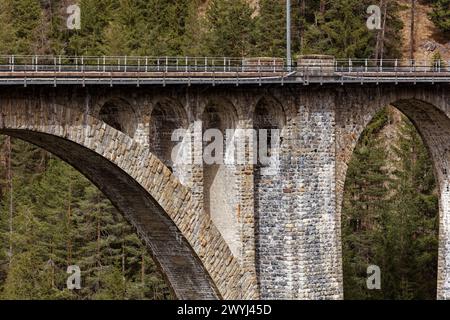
[
  {"x": 429, "y": 111},
  {"x": 188, "y": 248}
]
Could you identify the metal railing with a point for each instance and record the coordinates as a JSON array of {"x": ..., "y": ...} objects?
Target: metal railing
[
  {"x": 136, "y": 64},
  {"x": 217, "y": 69}
]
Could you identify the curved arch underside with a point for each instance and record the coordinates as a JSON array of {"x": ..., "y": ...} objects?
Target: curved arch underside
[
  {"x": 189, "y": 249},
  {"x": 170, "y": 250},
  {"x": 429, "y": 112}
]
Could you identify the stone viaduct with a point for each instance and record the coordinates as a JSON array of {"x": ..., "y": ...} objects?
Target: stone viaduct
[{"x": 231, "y": 231}]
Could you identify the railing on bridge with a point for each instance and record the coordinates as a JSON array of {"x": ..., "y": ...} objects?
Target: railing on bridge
[
  {"x": 306, "y": 69},
  {"x": 19, "y": 63},
  {"x": 138, "y": 64}
]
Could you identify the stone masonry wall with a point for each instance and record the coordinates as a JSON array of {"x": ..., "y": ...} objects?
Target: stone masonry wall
[{"x": 232, "y": 231}]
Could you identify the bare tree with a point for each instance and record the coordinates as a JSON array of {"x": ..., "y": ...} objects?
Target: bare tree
[
  {"x": 412, "y": 30},
  {"x": 11, "y": 209}
]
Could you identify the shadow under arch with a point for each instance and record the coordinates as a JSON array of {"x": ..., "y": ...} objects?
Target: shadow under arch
[
  {"x": 433, "y": 126},
  {"x": 120, "y": 115},
  {"x": 219, "y": 179},
  {"x": 166, "y": 117},
  {"x": 190, "y": 251}
]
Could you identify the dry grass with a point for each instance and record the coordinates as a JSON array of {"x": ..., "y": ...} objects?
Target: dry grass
[{"x": 425, "y": 32}]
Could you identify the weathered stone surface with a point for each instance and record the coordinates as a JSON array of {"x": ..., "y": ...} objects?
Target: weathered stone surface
[{"x": 231, "y": 231}]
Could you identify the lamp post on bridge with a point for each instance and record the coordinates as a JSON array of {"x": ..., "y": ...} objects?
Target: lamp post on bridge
[{"x": 288, "y": 35}]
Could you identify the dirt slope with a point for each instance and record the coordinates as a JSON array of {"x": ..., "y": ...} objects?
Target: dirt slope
[{"x": 427, "y": 38}]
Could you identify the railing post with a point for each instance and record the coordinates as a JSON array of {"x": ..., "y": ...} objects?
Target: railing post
[
  {"x": 206, "y": 64},
  {"x": 167, "y": 63},
  {"x": 365, "y": 65},
  {"x": 12, "y": 63},
  {"x": 104, "y": 64},
  {"x": 59, "y": 63},
  {"x": 82, "y": 64},
  {"x": 321, "y": 75},
  {"x": 396, "y": 65},
  {"x": 381, "y": 65},
  {"x": 125, "y": 64},
  {"x": 350, "y": 65},
  {"x": 224, "y": 64},
  {"x": 187, "y": 69},
  {"x": 36, "y": 63}
]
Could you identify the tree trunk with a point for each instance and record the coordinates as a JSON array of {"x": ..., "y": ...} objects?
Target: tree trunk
[
  {"x": 142, "y": 268},
  {"x": 98, "y": 240},
  {"x": 412, "y": 30},
  {"x": 302, "y": 27},
  {"x": 69, "y": 215},
  {"x": 11, "y": 210},
  {"x": 322, "y": 7},
  {"x": 383, "y": 30},
  {"x": 379, "y": 36}
]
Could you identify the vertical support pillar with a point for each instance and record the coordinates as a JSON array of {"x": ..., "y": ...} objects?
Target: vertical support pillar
[
  {"x": 244, "y": 205},
  {"x": 315, "y": 226}
]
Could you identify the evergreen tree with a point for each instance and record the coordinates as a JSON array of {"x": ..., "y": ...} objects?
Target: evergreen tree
[
  {"x": 270, "y": 29},
  {"x": 61, "y": 219},
  {"x": 365, "y": 204},
  {"x": 441, "y": 15},
  {"x": 390, "y": 215},
  {"x": 230, "y": 26},
  {"x": 414, "y": 226}
]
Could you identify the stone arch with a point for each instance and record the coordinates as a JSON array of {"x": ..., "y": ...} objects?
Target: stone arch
[
  {"x": 190, "y": 251},
  {"x": 120, "y": 115},
  {"x": 166, "y": 117},
  {"x": 428, "y": 110}
]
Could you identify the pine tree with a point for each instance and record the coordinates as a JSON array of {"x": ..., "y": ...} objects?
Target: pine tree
[
  {"x": 415, "y": 225},
  {"x": 230, "y": 26},
  {"x": 441, "y": 15},
  {"x": 7, "y": 33},
  {"x": 270, "y": 30},
  {"x": 341, "y": 31},
  {"x": 365, "y": 203}
]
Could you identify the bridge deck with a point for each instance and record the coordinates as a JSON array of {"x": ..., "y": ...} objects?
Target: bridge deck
[{"x": 213, "y": 78}]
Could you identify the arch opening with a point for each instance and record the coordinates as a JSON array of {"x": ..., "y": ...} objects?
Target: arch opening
[
  {"x": 57, "y": 219},
  {"x": 170, "y": 250},
  {"x": 165, "y": 119},
  {"x": 120, "y": 115},
  {"x": 392, "y": 204}
]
